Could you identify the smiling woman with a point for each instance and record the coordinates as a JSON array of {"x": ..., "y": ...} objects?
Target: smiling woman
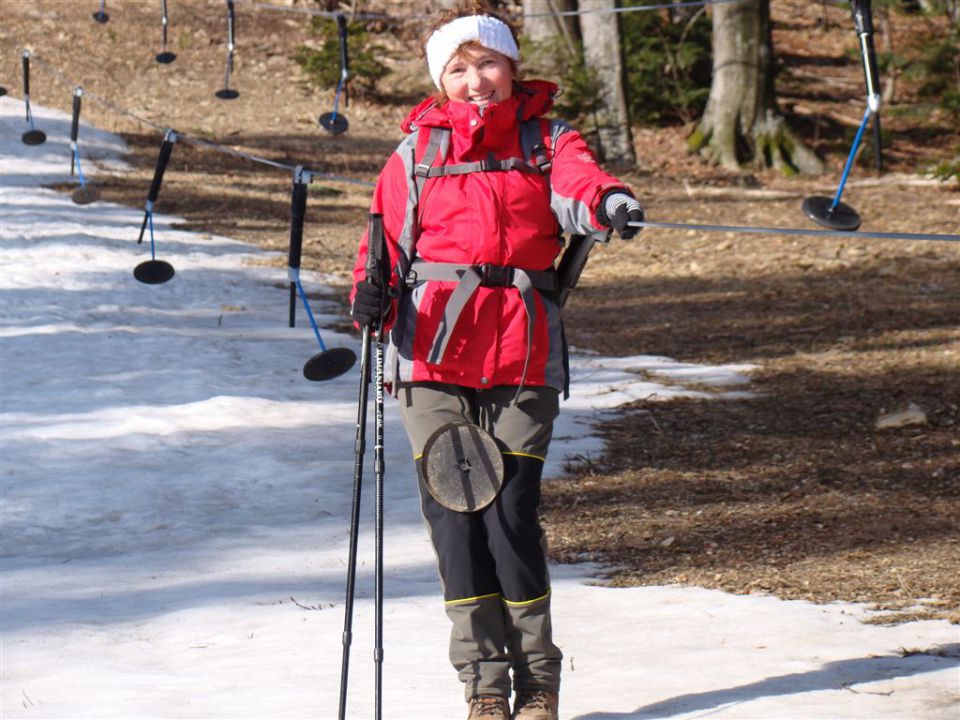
[
  {"x": 477, "y": 75},
  {"x": 473, "y": 203}
]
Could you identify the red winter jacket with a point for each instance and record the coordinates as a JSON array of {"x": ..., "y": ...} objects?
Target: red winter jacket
[{"x": 505, "y": 218}]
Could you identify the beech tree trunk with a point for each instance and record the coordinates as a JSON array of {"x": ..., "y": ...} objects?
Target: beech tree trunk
[
  {"x": 542, "y": 21},
  {"x": 602, "y": 54},
  {"x": 742, "y": 126}
]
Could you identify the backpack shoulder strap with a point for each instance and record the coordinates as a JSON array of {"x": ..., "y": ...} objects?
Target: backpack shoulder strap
[
  {"x": 419, "y": 151},
  {"x": 533, "y": 145}
]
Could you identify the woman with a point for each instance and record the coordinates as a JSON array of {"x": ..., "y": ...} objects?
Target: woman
[{"x": 473, "y": 203}]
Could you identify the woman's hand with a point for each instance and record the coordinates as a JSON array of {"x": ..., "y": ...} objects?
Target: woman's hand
[
  {"x": 620, "y": 209},
  {"x": 370, "y": 304}
]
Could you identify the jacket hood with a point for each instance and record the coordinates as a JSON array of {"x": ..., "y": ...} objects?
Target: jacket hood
[{"x": 534, "y": 98}]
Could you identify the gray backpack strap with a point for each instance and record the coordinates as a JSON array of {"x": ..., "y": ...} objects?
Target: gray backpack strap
[
  {"x": 417, "y": 174},
  {"x": 491, "y": 164},
  {"x": 437, "y": 144},
  {"x": 466, "y": 286}
]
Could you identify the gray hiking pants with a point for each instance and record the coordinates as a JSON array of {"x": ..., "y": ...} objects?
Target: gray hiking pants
[{"x": 492, "y": 562}]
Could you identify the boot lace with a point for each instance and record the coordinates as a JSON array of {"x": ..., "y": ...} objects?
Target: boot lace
[
  {"x": 535, "y": 700},
  {"x": 487, "y": 706}
]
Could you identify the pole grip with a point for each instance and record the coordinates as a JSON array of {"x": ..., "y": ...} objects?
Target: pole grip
[
  {"x": 231, "y": 17},
  {"x": 169, "y": 138},
  {"x": 26, "y": 73},
  {"x": 376, "y": 251},
  {"x": 75, "y": 120},
  {"x": 862, "y": 16},
  {"x": 344, "y": 56},
  {"x": 377, "y": 266},
  {"x": 298, "y": 210}
]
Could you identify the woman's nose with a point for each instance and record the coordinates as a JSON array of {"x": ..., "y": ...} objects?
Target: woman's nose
[{"x": 475, "y": 80}]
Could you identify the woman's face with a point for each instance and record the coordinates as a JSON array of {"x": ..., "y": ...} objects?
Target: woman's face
[{"x": 480, "y": 77}]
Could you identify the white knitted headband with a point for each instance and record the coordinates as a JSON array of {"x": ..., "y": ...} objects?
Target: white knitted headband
[{"x": 493, "y": 34}]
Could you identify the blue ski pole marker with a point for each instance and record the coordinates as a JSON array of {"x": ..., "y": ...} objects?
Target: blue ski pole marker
[
  {"x": 822, "y": 210},
  {"x": 101, "y": 15},
  {"x": 335, "y": 122},
  {"x": 165, "y": 57},
  {"x": 85, "y": 194},
  {"x": 31, "y": 136},
  {"x": 328, "y": 363},
  {"x": 863, "y": 20},
  {"x": 228, "y": 93},
  {"x": 153, "y": 271}
]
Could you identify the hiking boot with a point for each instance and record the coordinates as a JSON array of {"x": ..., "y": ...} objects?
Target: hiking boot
[
  {"x": 489, "y": 707},
  {"x": 536, "y": 705}
]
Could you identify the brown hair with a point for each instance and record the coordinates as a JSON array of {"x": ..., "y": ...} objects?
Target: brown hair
[{"x": 464, "y": 9}]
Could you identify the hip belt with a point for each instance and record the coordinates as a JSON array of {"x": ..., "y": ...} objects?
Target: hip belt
[{"x": 468, "y": 279}]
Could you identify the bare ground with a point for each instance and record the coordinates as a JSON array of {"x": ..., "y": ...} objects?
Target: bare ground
[{"x": 793, "y": 491}]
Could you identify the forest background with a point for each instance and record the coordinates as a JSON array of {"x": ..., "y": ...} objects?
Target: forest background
[{"x": 805, "y": 489}]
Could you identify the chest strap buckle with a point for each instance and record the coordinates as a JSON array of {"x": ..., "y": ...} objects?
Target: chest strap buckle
[{"x": 496, "y": 275}]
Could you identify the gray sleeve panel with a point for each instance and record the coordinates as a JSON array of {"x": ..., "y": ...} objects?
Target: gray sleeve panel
[
  {"x": 572, "y": 214},
  {"x": 558, "y": 128}
]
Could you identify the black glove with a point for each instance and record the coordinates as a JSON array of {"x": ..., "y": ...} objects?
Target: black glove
[
  {"x": 617, "y": 209},
  {"x": 370, "y": 304}
]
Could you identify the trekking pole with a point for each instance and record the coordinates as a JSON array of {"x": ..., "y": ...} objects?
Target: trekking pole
[
  {"x": 165, "y": 57},
  {"x": 153, "y": 271},
  {"x": 101, "y": 15},
  {"x": 359, "y": 448},
  {"x": 863, "y": 20},
  {"x": 329, "y": 362},
  {"x": 228, "y": 93},
  {"x": 373, "y": 250},
  {"x": 823, "y": 210},
  {"x": 31, "y": 136},
  {"x": 377, "y": 271},
  {"x": 85, "y": 194},
  {"x": 336, "y": 122}
]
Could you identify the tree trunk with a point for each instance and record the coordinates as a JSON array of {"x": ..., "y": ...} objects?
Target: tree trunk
[
  {"x": 542, "y": 22},
  {"x": 742, "y": 125},
  {"x": 602, "y": 55}
]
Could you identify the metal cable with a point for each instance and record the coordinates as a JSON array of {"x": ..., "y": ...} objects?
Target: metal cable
[
  {"x": 235, "y": 153},
  {"x": 328, "y": 13},
  {"x": 60, "y": 77},
  {"x": 853, "y": 235},
  {"x": 396, "y": 18},
  {"x": 632, "y": 8}
]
